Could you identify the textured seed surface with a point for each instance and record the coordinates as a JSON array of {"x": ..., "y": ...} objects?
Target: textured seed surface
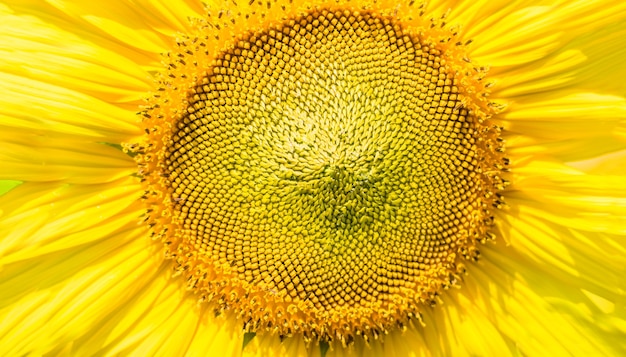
[{"x": 325, "y": 176}]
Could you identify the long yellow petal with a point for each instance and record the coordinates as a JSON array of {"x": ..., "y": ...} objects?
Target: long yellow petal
[
  {"x": 78, "y": 64},
  {"x": 38, "y": 219},
  {"x": 108, "y": 271},
  {"x": 37, "y": 107},
  {"x": 72, "y": 161}
]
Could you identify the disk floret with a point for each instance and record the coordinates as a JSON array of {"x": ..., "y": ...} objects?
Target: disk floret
[{"x": 328, "y": 174}]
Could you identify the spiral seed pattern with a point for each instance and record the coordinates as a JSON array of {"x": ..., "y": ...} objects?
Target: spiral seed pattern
[{"x": 326, "y": 176}]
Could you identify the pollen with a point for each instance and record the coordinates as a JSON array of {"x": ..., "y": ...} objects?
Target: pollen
[{"x": 328, "y": 173}]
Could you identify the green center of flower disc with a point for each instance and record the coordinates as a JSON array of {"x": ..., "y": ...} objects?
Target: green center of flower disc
[{"x": 324, "y": 176}]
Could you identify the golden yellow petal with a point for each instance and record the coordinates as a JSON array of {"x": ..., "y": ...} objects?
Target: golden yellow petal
[
  {"x": 37, "y": 107},
  {"x": 569, "y": 197},
  {"x": 78, "y": 64},
  {"x": 95, "y": 279},
  {"x": 271, "y": 345},
  {"x": 118, "y": 21},
  {"x": 525, "y": 304},
  {"x": 593, "y": 260},
  {"x": 548, "y": 127},
  {"x": 216, "y": 336},
  {"x": 38, "y": 219},
  {"x": 587, "y": 63},
  {"x": 523, "y": 33},
  {"x": 164, "y": 319},
  {"x": 40, "y": 159},
  {"x": 607, "y": 164},
  {"x": 576, "y": 115},
  {"x": 168, "y": 16}
]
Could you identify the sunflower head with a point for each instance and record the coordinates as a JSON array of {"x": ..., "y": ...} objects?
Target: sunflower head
[{"x": 327, "y": 173}]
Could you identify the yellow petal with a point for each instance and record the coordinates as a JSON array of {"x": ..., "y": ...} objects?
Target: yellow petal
[
  {"x": 96, "y": 284},
  {"x": 569, "y": 197},
  {"x": 164, "y": 319},
  {"x": 529, "y": 33},
  {"x": 30, "y": 48},
  {"x": 118, "y": 21},
  {"x": 607, "y": 164},
  {"x": 587, "y": 63},
  {"x": 36, "y": 107},
  {"x": 576, "y": 115},
  {"x": 523, "y": 303},
  {"x": 41, "y": 218},
  {"x": 40, "y": 159},
  {"x": 168, "y": 16},
  {"x": 556, "y": 126},
  {"x": 272, "y": 345}
]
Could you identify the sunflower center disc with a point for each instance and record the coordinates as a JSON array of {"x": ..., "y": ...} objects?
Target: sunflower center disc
[{"x": 325, "y": 177}]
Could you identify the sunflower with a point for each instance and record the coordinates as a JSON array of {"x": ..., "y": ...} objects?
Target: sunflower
[{"x": 367, "y": 178}]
